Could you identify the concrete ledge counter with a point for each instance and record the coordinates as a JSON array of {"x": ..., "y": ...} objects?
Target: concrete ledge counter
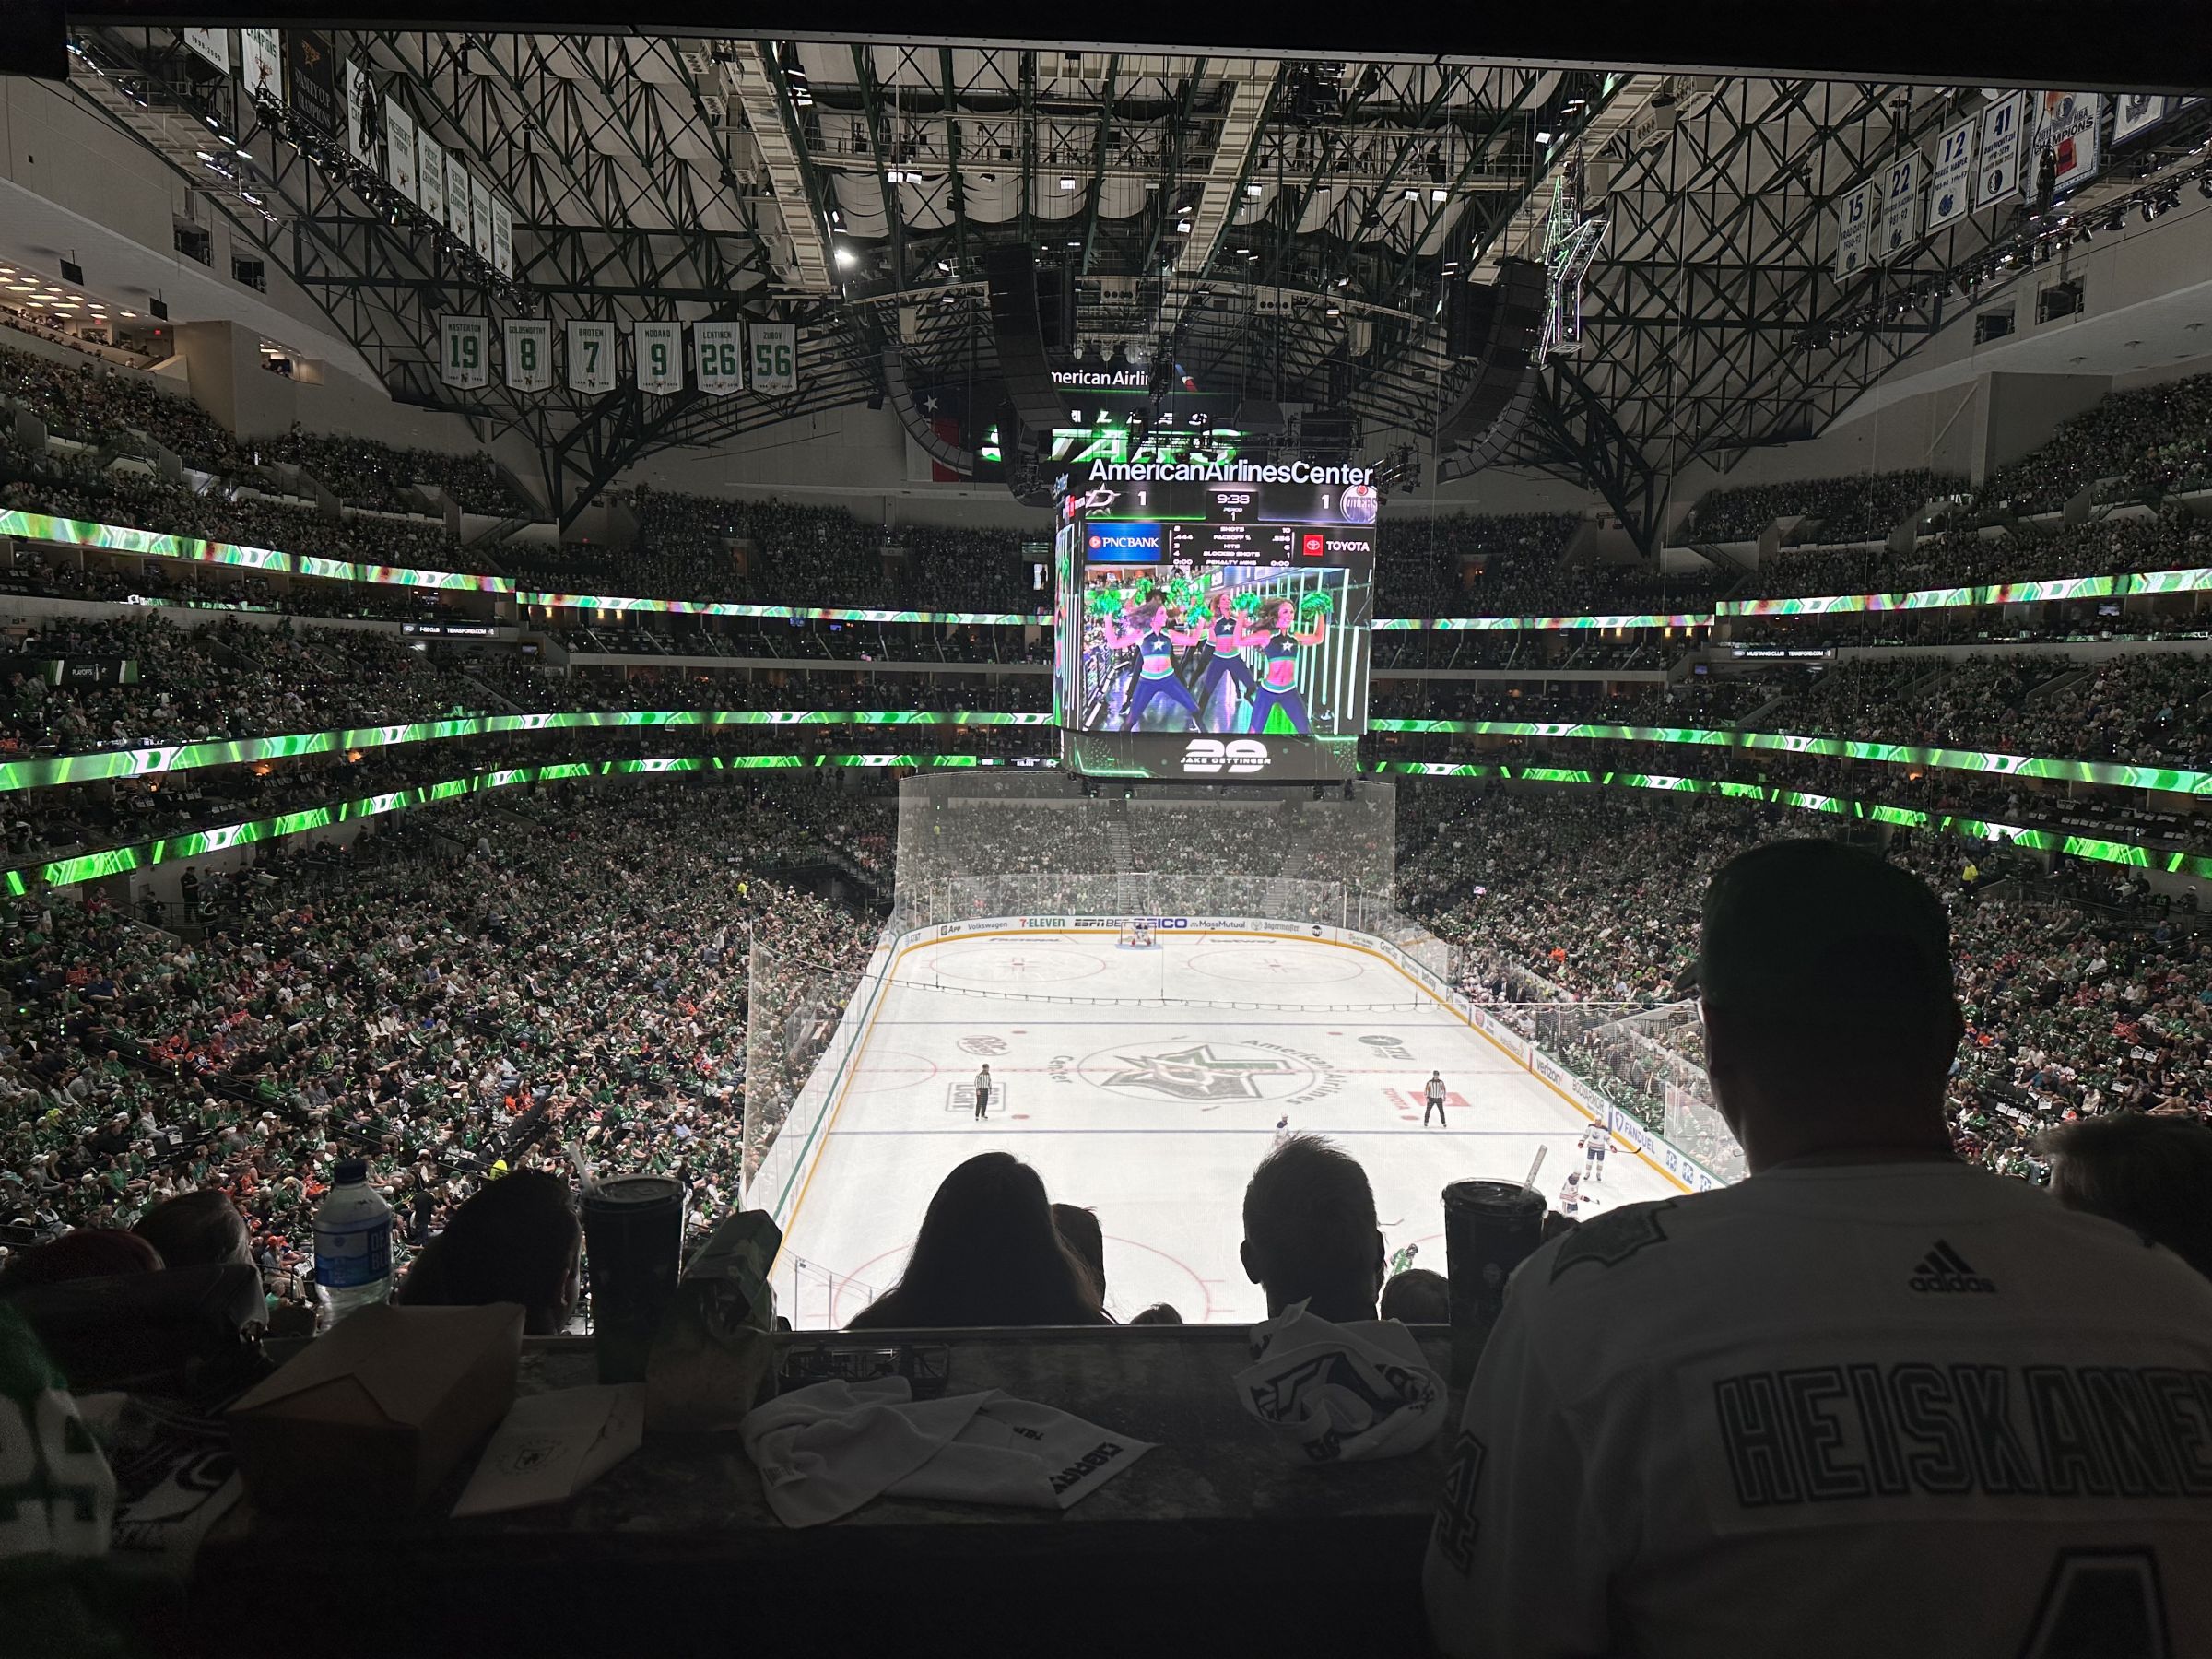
[{"x": 1217, "y": 1541}]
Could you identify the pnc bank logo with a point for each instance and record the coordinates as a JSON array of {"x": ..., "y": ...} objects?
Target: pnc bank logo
[
  {"x": 1236, "y": 755},
  {"x": 1129, "y": 543}
]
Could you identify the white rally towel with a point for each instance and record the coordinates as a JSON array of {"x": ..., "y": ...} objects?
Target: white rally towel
[
  {"x": 825, "y": 1450},
  {"x": 1342, "y": 1392}
]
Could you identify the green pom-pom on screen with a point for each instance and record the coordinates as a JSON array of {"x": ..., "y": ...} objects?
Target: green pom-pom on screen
[
  {"x": 1315, "y": 601},
  {"x": 1246, "y": 605},
  {"x": 1102, "y": 601}
]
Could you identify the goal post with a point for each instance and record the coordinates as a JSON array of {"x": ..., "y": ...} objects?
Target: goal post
[{"x": 1136, "y": 935}]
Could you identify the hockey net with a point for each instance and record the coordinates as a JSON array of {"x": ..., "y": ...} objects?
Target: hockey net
[{"x": 1137, "y": 936}]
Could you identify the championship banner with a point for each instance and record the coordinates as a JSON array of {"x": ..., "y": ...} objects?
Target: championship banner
[
  {"x": 721, "y": 357},
  {"x": 1954, "y": 171},
  {"x": 1856, "y": 214},
  {"x": 1900, "y": 204},
  {"x": 1999, "y": 178},
  {"x": 456, "y": 196},
  {"x": 775, "y": 357},
  {"x": 213, "y": 44},
  {"x": 364, "y": 118},
  {"x": 399, "y": 149},
  {"x": 590, "y": 357},
  {"x": 2066, "y": 130},
  {"x": 502, "y": 237},
  {"x": 429, "y": 175},
  {"x": 529, "y": 366},
  {"x": 312, "y": 73},
  {"x": 462, "y": 352},
  {"x": 479, "y": 217},
  {"x": 261, "y": 63},
  {"x": 2134, "y": 112},
  {"x": 660, "y": 364}
]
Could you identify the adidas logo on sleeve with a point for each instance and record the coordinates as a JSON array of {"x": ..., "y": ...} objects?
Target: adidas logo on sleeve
[{"x": 1944, "y": 1270}]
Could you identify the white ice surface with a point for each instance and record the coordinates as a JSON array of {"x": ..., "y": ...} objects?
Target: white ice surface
[{"x": 1152, "y": 1112}]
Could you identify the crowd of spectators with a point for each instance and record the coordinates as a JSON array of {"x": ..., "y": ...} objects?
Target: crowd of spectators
[
  {"x": 2175, "y": 540},
  {"x": 483, "y": 985},
  {"x": 363, "y": 473},
  {"x": 228, "y": 679},
  {"x": 90, "y": 402},
  {"x": 1700, "y": 701},
  {"x": 2143, "y": 707},
  {"x": 2081, "y": 994},
  {"x": 1487, "y": 565},
  {"x": 1860, "y": 507},
  {"x": 2147, "y": 438}
]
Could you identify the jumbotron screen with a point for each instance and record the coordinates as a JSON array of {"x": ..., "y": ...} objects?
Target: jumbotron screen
[{"x": 1214, "y": 621}]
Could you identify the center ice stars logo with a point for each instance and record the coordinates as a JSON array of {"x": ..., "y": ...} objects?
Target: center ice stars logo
[{"x": 1206, "y": 1072}]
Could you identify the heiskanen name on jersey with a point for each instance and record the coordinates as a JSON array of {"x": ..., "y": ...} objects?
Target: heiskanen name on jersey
[{"x": 2025, "y": 1390}]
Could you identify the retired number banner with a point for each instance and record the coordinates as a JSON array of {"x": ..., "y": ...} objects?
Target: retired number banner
[
  {"x": 1949, "y": 189},
  {"x": 721, "y": 357},
  {"x": 660, "y": 357},
  {"x": 1900, "y": 204},
  {"x": 590, "y": 357},
  {"x": 1857, "y": 212},
  {"x": 529, "y": 354},
  {"x": 775, "y": 358},
  {"x": 2000, "y": 176},
  {"x": 461, "y": 343}
]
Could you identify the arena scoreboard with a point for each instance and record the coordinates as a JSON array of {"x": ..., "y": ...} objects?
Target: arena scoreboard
[{"x": 1212, "y": 621}]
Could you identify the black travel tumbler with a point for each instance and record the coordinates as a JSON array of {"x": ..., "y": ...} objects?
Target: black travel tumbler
[
  {"x": 633, "y": 1236},
  {"x": 1489, "y": 1229}
]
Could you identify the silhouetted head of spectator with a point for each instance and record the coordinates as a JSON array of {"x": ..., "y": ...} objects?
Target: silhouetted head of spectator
[
  {"x": 1078, "y": 1229},
  {"x": 515, "y": 1240},
  {"x": 2153, "y": 1174},
  {"x": 988, "y": 1255},
  {"x": 1309, "y": 1232},
  {"x": 1159, "y": 1314},
  {"x": 1417, "y": 1297},
  {"x": 197, "y": 1230},
  {"x": 87, "y": 1254},
  {"x": 1824, "y": 976}
]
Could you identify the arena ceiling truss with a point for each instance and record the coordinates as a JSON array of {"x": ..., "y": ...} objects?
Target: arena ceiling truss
[{"x": 1284, "y": 229}]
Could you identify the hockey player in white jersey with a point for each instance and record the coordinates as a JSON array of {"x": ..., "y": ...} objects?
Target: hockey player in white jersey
[
  {"x": 1570, "y": 1195},
  {"x": 1870, "y": 1400},
  {"x": 1597, "y": 1140}
]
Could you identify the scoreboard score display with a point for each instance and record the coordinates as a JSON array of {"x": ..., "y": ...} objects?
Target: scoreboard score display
[{"x": 1213, "y": 621}]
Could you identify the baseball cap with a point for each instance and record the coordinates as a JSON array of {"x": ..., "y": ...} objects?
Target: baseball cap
[{"x": 1795, "y": 926}]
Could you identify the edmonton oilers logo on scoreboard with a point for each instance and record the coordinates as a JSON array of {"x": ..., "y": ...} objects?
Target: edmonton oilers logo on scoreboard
[
  {"x": 1358, "y": 503},
  {"x": 1124, "y": 542}
]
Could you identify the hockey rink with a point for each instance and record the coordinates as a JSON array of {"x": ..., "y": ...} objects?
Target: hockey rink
[{"x": 1152, "y": 1108}]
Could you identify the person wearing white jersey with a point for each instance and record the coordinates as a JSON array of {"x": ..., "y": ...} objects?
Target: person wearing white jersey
[
  {"x": 982, "y": 1094},
  {"x": 1432, "y": 1093},
  {"x": 1570, "y": 1195},
  {"x": 1870, "y": 1400},
  {"x": 1597, "y": 1140}
]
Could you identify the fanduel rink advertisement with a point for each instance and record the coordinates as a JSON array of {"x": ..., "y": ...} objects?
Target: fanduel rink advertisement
[{"x": 1215, "y": 619}]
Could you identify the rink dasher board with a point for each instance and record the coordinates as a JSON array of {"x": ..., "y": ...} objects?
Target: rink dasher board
[{"x": 1669, "y": 1163}]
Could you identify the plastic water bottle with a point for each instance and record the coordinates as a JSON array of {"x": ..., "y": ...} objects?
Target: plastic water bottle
[{"x": 353, "y": 1246}]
